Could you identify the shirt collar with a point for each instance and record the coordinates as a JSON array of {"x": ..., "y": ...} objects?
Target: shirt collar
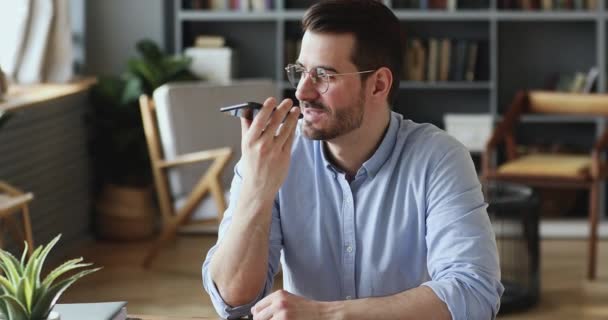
[{"x": 382, "y": 153}]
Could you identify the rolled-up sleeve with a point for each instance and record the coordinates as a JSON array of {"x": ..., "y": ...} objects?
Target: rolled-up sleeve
[
  {"x": 462, "y": 255},
  {"x": 223, "y": 309}
]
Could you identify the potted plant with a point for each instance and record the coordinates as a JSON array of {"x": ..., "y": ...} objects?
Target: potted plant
[
  {"x": 24, "y": 295},
  {"x": 118, "y": 144}
]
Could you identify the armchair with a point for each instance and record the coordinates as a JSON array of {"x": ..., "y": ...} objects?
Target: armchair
[{"x": 558, "y": 170}]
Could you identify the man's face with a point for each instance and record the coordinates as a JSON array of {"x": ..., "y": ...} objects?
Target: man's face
[{"x": 340, "y": 109}]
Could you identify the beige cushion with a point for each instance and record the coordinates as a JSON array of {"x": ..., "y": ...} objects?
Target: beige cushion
[{"x": 559, "y": 165}]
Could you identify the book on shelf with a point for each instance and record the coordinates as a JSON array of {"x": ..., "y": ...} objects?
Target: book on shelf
[
  {"x": 415, "y": 60},
  {"x": 548, "y": 4},
  {"x": 441, "y": 59},
  {"x": 92, "y": 311},
  {"x": 438, "y": 4},
  {"x": 472, "y": 50},
  {"x": 432, "y": 59},
  {"x": 444, "y": 60},
  {"x": 209, "y": 41},
  {"x": 578, "y": 82},
  {"x": 591, "y": 79},
  {"x": 232, "y": 5},
  {"x": 450, "y": 5}
]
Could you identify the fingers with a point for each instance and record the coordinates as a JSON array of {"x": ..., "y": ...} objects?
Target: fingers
[
  {"x": 287, "y": 131},
  {"x": 259, "y": 122},
  {"x": 277, "y": 117},
  {"x": 262, "y": 309}
]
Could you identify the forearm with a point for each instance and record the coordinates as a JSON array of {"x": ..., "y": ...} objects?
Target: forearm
[
  {"x": 240, "y": 265},
  {"x": 417, "y": 303}
]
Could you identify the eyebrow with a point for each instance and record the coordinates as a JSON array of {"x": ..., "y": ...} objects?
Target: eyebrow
[{"x": 327, "y": 68}]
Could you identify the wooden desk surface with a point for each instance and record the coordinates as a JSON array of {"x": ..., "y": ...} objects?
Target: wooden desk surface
[{"x": 23, "y": 96}]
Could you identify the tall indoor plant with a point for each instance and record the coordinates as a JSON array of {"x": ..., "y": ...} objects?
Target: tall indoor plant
[{"x": 118, "y": 144}]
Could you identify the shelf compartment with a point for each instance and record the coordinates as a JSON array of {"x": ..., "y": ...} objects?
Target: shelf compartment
[
  {"x": 561, "y": 15},
  {"x": 207, "y": 15},
  {"x": 442, "y": 15},
  {"x": 446, "y": 85}
]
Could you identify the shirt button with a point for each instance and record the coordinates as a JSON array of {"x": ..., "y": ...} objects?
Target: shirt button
[
  {"x": 349, "y": 249},
  {"x": 348, "y": 297}
]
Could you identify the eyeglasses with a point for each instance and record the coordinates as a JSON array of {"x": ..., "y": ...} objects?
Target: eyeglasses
[{"x": 320, "y": 76}]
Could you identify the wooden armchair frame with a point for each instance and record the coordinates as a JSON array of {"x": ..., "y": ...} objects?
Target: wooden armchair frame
[
  {"x": 555, "y": 103},
  {"x": 210, "y": 182},
  {"x": 16, "y": 200}
]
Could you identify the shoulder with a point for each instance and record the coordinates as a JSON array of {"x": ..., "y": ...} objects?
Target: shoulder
[{"x": 426, "y": 141}]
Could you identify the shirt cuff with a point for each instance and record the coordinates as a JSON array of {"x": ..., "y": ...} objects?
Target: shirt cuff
[{"x": 224, "y": 310}]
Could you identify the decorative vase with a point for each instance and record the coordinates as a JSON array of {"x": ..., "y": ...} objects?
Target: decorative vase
[{"x": 126, "y": 213}]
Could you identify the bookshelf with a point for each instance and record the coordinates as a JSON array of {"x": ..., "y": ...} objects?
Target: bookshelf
[{"x": 510, "y": 55}]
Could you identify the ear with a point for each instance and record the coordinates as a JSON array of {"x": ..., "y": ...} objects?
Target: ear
[{"x": 382, "y": 81}]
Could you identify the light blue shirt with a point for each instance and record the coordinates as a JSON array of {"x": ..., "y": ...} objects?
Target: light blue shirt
[{"x": 413, "y": 215}]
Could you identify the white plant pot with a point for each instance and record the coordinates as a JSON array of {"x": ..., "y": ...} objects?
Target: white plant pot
[{"x": 54, "y": 315}]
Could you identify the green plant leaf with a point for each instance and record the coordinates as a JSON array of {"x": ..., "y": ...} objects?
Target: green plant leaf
[
  {"x": 11, "y": 267},
  {"x": 47, "y": 301},
  {"x": 132, "y": 90},
  {"x": 108, "y": 91},
  {"x": 41, "y": 258},
  {"x": 15, "y": 309},
  {"x": 7, "y": 286},
  {"x": 63, "y": 268},
  {"x": 3, "y": 308},
  {"x": 24, "y": 254},
  {"x": 150, "y": 73},
  {"x": 149, "y": 50},
  {"x": 25, "y": 293},
  {"x": 173, "y": 66}
]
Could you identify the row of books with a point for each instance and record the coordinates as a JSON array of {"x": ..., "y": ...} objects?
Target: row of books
[
  {"x": 578, "y": 82},
  {"x": 441, "y": 60},
  {"x": 232, "y": 5},
  {"x": 441, "y": 4},
  {"x": 548, "y": 4}
]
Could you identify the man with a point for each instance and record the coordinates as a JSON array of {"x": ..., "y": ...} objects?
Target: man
[{"x": 371, "y": 216}]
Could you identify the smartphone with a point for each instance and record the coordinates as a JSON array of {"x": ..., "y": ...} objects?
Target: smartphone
[{"x": 245, "y": 110}]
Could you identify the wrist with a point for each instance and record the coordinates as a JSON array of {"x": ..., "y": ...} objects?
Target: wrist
[{"x": 332, "y": 310}]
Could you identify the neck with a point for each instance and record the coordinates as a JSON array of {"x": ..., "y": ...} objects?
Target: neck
[{"x": 350, "y": 151}]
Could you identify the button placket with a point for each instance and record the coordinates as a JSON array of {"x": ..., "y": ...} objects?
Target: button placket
[{"x": 349, "y": 250}]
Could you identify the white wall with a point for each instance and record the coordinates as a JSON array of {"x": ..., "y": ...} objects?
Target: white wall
[{"x": 114, "y": 26}]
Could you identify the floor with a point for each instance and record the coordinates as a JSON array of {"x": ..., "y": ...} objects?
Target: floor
[{"x": 172, "y": 286}]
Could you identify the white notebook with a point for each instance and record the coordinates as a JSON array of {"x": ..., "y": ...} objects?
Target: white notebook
[{"x": 92, "y": 311}]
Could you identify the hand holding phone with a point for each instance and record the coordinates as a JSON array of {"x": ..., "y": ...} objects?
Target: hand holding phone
[{"x": 245, "y": 110}]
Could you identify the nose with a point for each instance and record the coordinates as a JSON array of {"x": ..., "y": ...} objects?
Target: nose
[{"x": 306, "y": 89}]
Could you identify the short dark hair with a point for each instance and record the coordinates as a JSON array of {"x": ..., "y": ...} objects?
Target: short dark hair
[{"x": 375, "y": 27}]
